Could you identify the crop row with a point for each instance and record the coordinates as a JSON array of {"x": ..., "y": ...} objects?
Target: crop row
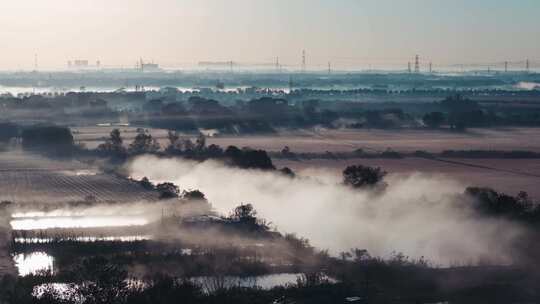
[{"x": 43, "y": 186}]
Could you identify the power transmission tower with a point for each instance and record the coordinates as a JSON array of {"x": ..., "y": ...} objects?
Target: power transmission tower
[
  {"x": 329, "y": 68},
  {"x": 506, "y": 66},
  {"x": 277, "y": 65},
  {"x": 417, "y": 64},
  {"x": 430, "y": 67},
  {"x": 303, "y": 60},
  {"x": 527, "y": 66},
  {"x": 409, "y": 67}
]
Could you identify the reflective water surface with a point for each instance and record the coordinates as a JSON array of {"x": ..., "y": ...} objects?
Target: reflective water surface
[
  {"x": 208, "y": 284},
  {"x": 39, "y": 223},
  {"x": 131, "y": 238},
  {"x": 32, "y": 263}
]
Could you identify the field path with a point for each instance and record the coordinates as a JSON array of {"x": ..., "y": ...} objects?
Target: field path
[{"x": 460, "y": 163}]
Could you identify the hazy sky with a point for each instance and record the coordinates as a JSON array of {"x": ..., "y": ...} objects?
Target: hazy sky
[{"x": 346, "y": 32}]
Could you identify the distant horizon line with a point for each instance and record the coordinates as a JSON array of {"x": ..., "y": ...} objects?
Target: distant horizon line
[
  {"x": 345, "y": 64},
  {"x": 246, "y": 69}
]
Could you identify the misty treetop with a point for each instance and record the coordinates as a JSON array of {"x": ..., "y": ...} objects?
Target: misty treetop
[
  {"x": 114, "y": 145},
  {"x": 492, "y": 203},
  {"x": 143, "y": 143},
  {"x": 359, "y": 176}
]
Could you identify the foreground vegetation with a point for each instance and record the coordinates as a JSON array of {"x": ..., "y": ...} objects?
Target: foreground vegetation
[
  {"x": 241, "y": 244},
  {"x": 356, "y": 277},
  {"x": 110, "y": 272}
]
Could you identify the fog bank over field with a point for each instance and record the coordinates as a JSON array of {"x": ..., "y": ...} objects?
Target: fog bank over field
[{"x": 418, "y": 215}]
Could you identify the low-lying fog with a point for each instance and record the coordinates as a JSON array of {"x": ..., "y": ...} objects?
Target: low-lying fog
[{"x": 418, "y": 215}]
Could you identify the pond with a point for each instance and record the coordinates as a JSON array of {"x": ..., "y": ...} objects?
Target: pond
[
  {"x": 208, "y": 284},
  {"x": 41, "y": 223},
  {"x": 32, "y": 263},
  {"x": 88, "y": 239}
]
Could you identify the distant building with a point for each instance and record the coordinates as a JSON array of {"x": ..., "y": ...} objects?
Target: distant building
[
  {"x": 145, "y": 66},
  {"x": 150, "y": 67},
  {"x": 80, "y": 63}
]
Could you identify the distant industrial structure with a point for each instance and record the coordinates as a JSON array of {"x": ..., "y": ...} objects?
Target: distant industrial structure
[
  {"x": 417, "y": 66},
  {"x": 78, "y": 63},
  {"x": 147, "y": 66},
  {"x": 82, "y": 64}
]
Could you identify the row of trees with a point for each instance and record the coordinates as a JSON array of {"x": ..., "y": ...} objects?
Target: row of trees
[
  {"x": 492, "y": 203},
  {"x": 142, "y": 143},
  {"x": 185, "y": 147},
  {"x": 169, "y": 190},
  {"x": 459, "y": 114}
]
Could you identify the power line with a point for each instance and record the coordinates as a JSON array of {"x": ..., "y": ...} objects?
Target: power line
[{"x": 303, "y": 60}]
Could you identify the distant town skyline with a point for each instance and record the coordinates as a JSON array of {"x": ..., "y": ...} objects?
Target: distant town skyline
[{"x": 348, "y": 33}]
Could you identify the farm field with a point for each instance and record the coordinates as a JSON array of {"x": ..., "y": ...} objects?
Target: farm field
[
  {"x": 503, "y": 175},
  {"x": 30, "y": 178},
  {"x": 348, "y": 140},
  {"x": 27, "y": 178},
  {"x": 506, "y": 175},
  {"x": 92, "y": 136},
  {"x": 397, "y": 140}
]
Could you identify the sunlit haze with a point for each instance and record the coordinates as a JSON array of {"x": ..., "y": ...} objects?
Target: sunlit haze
[
  {"x": 269, "y": 151},
  {"x": 348, "y": 33}
]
